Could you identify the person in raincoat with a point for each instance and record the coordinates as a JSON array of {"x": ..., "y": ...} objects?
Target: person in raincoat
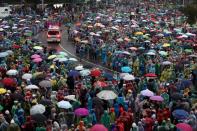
[
  {"x": 105, "y": 119},
  {"x": 92, "y": 118},
  {"x": 112, "y": 116}
]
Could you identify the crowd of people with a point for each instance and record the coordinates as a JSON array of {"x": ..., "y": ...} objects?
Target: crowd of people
[{"x": 149, "y": 49}]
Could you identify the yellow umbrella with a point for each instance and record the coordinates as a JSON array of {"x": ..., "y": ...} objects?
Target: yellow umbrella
[
  {"x": 2, "y": 90},
  {"x": 166, "y": 45},
  {"x": 52, "y": 57},
  {"x": 138, "y": 33}
]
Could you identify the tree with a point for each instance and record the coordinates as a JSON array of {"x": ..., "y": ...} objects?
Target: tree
[{"x": 191, "y": 12}]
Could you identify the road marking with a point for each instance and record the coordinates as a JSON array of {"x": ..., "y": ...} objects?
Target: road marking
[{"x": 84, "y": 60}]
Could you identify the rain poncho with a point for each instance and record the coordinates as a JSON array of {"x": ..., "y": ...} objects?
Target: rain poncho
[{"x": 105, "y": 119}]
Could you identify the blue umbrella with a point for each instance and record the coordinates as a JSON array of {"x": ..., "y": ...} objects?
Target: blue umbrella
[
  {"x": 126, "y": 69},
  {"x": 74, "y": 73},
  {"x": 180, "y": 114},
  {"x": 108, "y": 76}
]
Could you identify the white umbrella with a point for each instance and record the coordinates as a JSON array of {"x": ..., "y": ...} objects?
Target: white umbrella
[
  {"x": 85, "y": 72},
  {"x": 64, "y": 104},
  {"x": 150, "y": 53},
  {"x": 27, "y": 76},
  {"x": 79, "y": 68},
  {"x": 70, "y": 97},
  {"x": 62, "y": 59},
  {"x": 12, "y": 72},
  {"x": 73, "y": 59},
  {"x": 3, "y": 54},
  {"x": 37, "y": 109},
  {"x": 147, "y": 92},
  {"x": 122, "y": 75},
  {"x": 128, "y": 77},
  {"x": 106, "y": 95},
  {"x": 10, "y": 52},
  {"x": 63, "y": 53},
  {"x": 31, "y": 87},
  {"x": 194, "y": 56},
  {"x": 166, "y": 63},
  {"x": 126, "y": 52}
]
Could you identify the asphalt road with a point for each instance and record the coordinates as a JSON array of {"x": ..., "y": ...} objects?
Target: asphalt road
[{"x": 68, "y": 47}]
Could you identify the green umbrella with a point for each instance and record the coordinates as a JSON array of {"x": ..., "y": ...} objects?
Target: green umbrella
[{"x": 188, "y": 50}]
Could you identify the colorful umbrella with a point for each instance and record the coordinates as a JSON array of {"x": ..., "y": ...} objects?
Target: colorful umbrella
[
  {"x": 100, "y": 84},
  {"x": 180, "y": 114},
  {"x": 184, "y": 127},
  {"x": 37, "y": 60},
  {"x": 126, "y": 69},
  {"x": 147, "y": 92},
  {"x": 150, "y": 75},
  {"x": 156, "y": 98},
  {"x": 8, "y": 81},
  {"x": 2, "y": 91},
  {"x": 73, "y": 73},
  {"x": 35, "y": 56},
  {"x": 95, "y": 72},
  {"x": 98, "y": 127},
  {"x": 52, "y": 57},
  {"x": 81, "y": 112}
]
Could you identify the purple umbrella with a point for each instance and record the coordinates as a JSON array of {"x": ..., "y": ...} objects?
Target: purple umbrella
[
  {"x": 73, "y": 73},
  {"x": 156, "y": 98},
  {"x": 81, "y": 112},
  {"x": 147, "y": 92}
]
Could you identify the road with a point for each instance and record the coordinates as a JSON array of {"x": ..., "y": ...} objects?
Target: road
[{"x": 68, "y": 47}]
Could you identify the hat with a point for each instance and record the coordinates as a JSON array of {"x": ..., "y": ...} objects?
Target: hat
[{"x": 7, "y": 112}]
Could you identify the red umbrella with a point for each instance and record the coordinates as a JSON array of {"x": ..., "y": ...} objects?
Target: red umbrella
[
  {"x": 8, "y": 81},
  {"x": 15, "y": 46},
  {"x": 95, "y": 72},
  {"x": 184, "y": 127},
  {"x": 150, "y": 75},
  {"x": 100, "y": 84},
  {"x": 98, "y": 127}
]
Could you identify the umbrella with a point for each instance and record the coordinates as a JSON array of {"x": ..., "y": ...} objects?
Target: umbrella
[
  {"x": 31, "y": 87},
  {"x": 27, "y": 76},
  {"x": 62, "y": 59},
  {"x": 106, "y": 95},
  {"x": 64, "y": 104},
  {"x": 45, "y": 83},
  {"x": 8, "y": 81},
  {"x": 37, "y": 60},
  {"x": 128, "y": 77},
  {"x": 126, "y": 69},
  {"x": 147, "y": 92},
  {"x": 100, "y": 84},
  {"x": 52, "y": 57},
  {"x": 12, "y": 72},
  {"x": 176, "y": 96},
  {"x": 166, "y": 63},
  {"x": 37, "y": 109},
  {"x": 98, "y": 127},
  {"x": 70, "y": 97},
  {"x": 138, "y": 33},
  {"x": 73, "y": 73},
  {"x": 156, "y": 98},
  {"x": 150, "y": 75},
  {"x": 95, "y": 72},
  {"x": 193, "y": 55},
  {"x": 184, "y": 127},
  {"x": 133, "y": 48},
  {"x": 46, "y": 102},
  {"x": 123, "y": 74},
  {"x": 150, "y": 53},
  {"x": 3, "y": 54},
  {"x": 81, "y": 112},
  {"x": 108, "y": 76},
  {"x": 63, "y": 53},
  {"x": 10, "y": 52},
  {"x": 39, "y": 118},
  {"x": 35, "y": 56},
  {"x": 163, "y": 53},
  {"x": 79, "y": 68},
  {"x": 2, "y": 91},
  {"x": 85, "y": 72},
  {"x": 38, "y": 48},
  {"x": 166, "y": 45},
  {"x": 17, "y": 96},
  {"x": 73, "y": 59},
  {"x": 180, "y": 114},
  {"x": 15, "y": 46}
]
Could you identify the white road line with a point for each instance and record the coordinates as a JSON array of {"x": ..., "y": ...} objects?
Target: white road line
[{"x": 87, "y": 61}]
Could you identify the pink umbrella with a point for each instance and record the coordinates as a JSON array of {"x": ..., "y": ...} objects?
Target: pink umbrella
[
  {"x": 35, "y": 56},
  {"x": 81, "y": 112},
  {"x": 98, "y": 127},
  {"x": 184, "y": 127},
  {"x": 37, "y": 60},
  {"x": 156, "y": 98}
]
